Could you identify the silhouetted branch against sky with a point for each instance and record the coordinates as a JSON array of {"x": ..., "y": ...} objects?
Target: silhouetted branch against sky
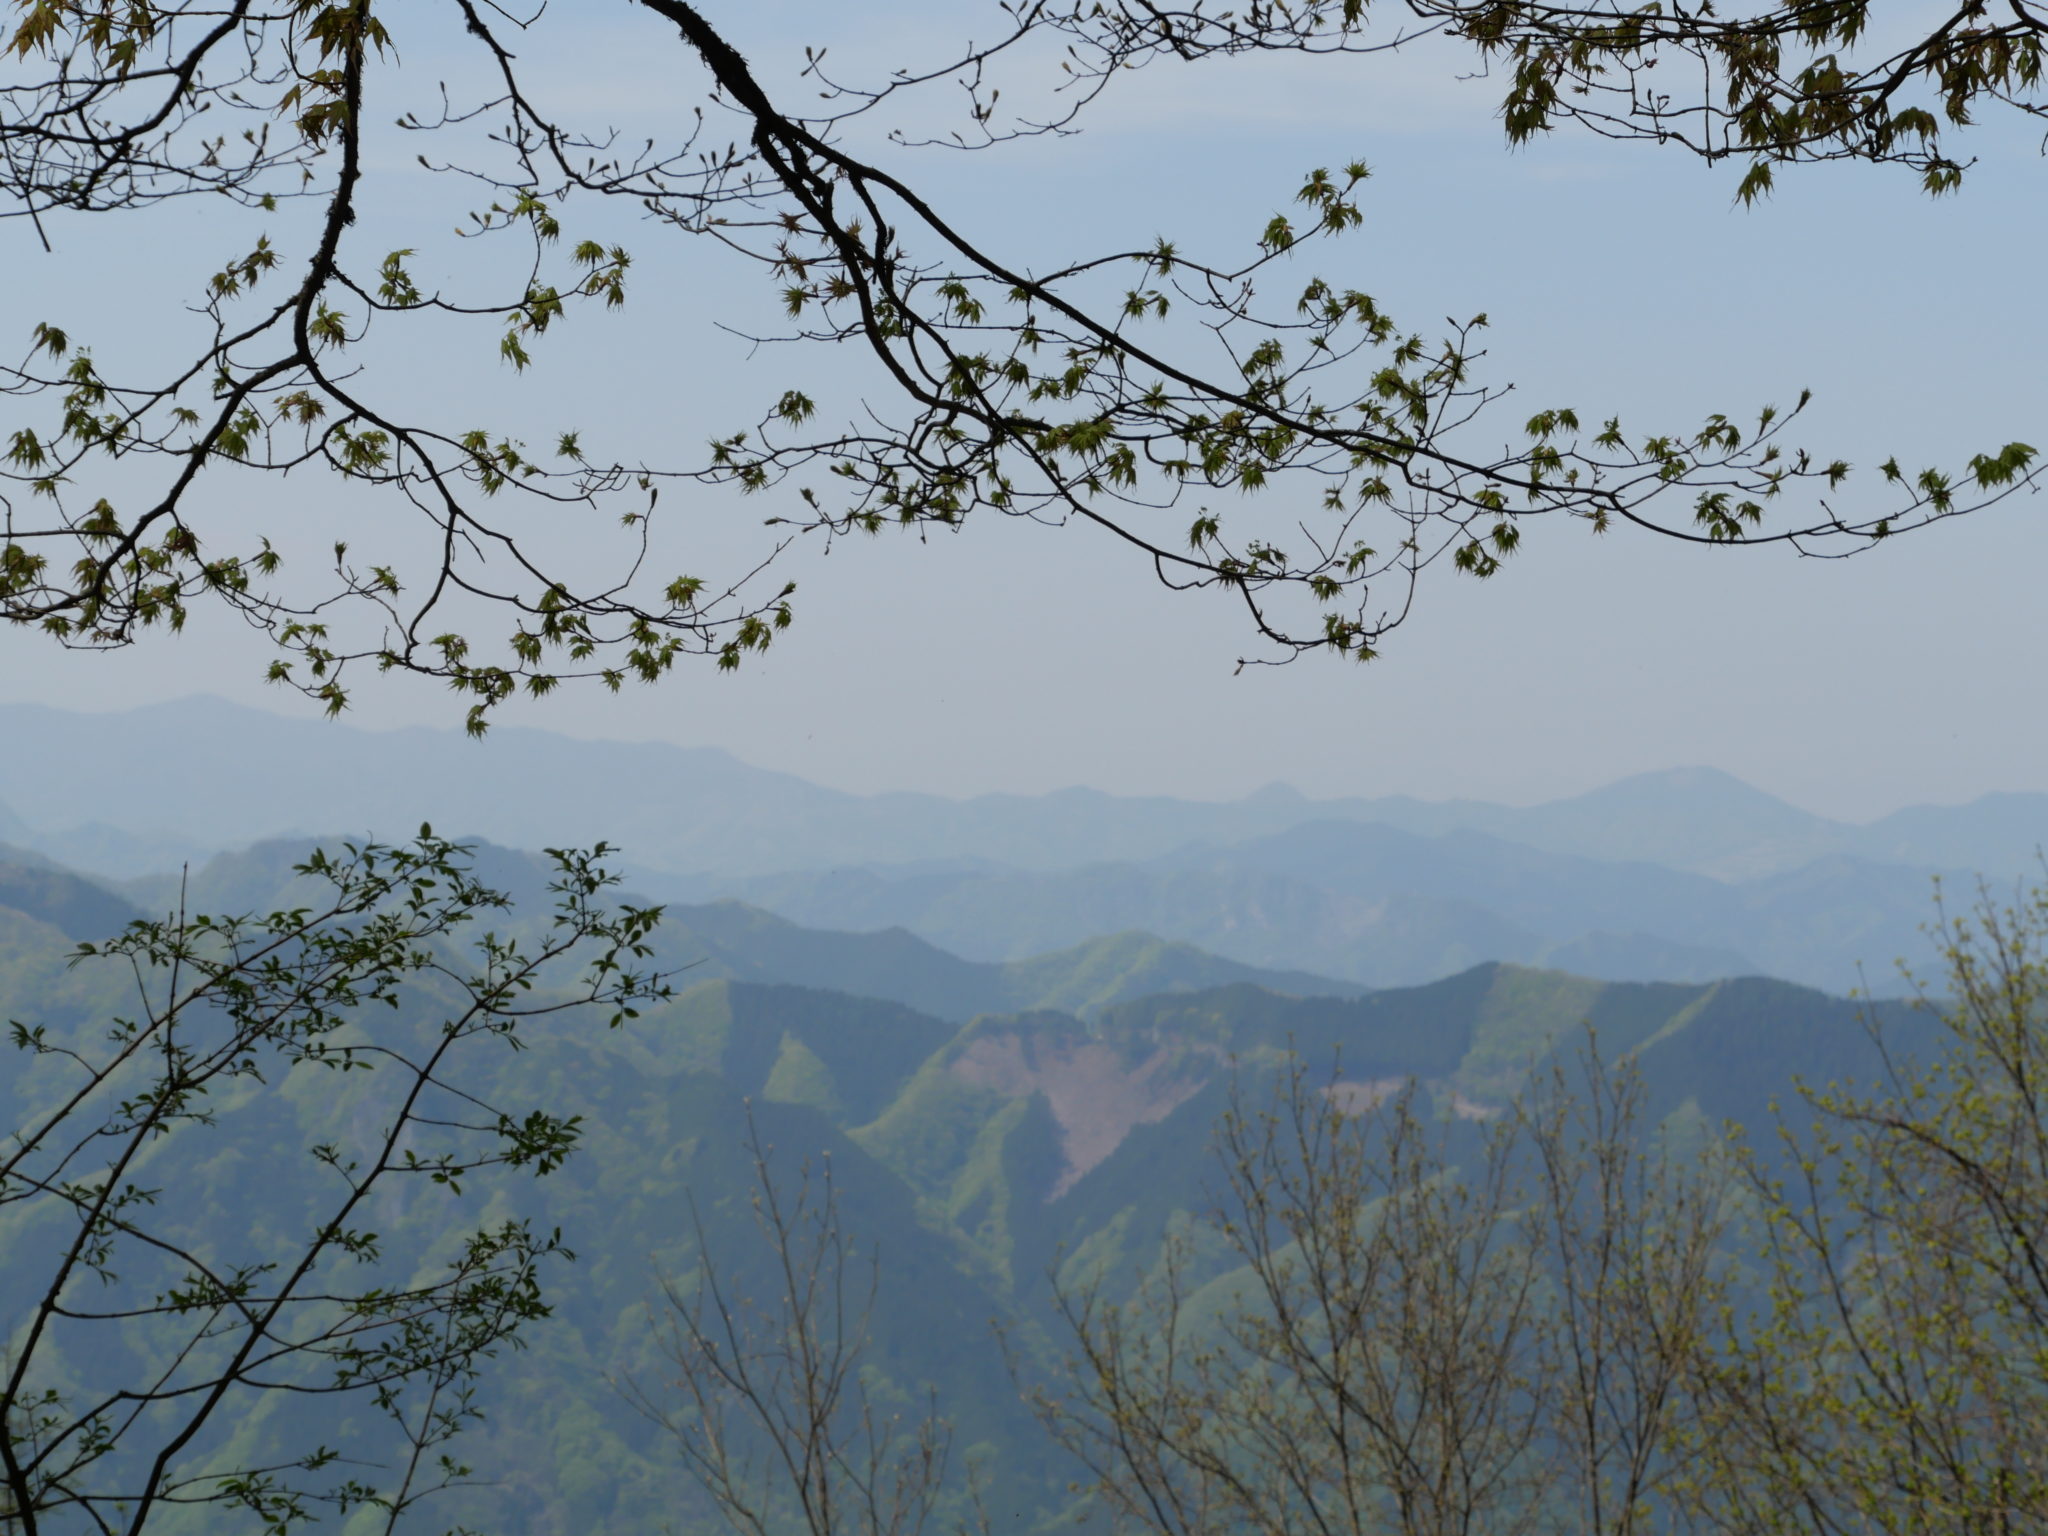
[{"x": 367, "y": 442}]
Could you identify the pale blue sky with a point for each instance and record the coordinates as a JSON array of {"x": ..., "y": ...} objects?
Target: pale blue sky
[{"x": 1618, "y": 278}]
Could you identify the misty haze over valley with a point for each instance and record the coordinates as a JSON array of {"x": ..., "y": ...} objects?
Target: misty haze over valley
[{"x": 1687, "y": 875}]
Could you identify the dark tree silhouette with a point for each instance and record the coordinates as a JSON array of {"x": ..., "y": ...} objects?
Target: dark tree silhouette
[{"x": 1136, "y": 389}]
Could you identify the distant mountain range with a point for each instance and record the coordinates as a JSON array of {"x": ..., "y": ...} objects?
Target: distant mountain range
[
  {"x": 133, "y": 792},
  {"x": 1384, "y": 907},
  {"x": 1687, "y": 875}
]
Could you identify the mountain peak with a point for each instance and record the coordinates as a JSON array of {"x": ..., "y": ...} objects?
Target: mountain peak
[
  {"x": 1692, "y": 784},
  {"x": 1276, "y": 792}
]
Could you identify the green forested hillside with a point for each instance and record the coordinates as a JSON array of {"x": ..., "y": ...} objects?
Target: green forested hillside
[
  {"x": 978, "y": 1144},
  {"x": 76, "y": 907}
]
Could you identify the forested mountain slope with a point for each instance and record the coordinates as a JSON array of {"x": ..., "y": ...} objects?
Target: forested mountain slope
[{"x": 973, "y": 1158}]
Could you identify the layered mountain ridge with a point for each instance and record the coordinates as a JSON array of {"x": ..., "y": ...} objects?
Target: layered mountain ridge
[
  {"x": 156, "y": 776},
  {"x": 1029, "y": 1119},
  {"x": 1685, "y": 875},
  {"x": 1383, "y": 907}
]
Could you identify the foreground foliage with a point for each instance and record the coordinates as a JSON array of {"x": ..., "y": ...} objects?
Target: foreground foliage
[
  {"x": 1897, "y": 1381},
  {"x": 147, "y": 1333},
  {"x": 1133, "y": 388},
  {"x": 1409, "y": 1345}
]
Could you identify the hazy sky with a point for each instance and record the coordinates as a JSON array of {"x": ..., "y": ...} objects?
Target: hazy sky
[{"x": 1617, "y": 278}]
